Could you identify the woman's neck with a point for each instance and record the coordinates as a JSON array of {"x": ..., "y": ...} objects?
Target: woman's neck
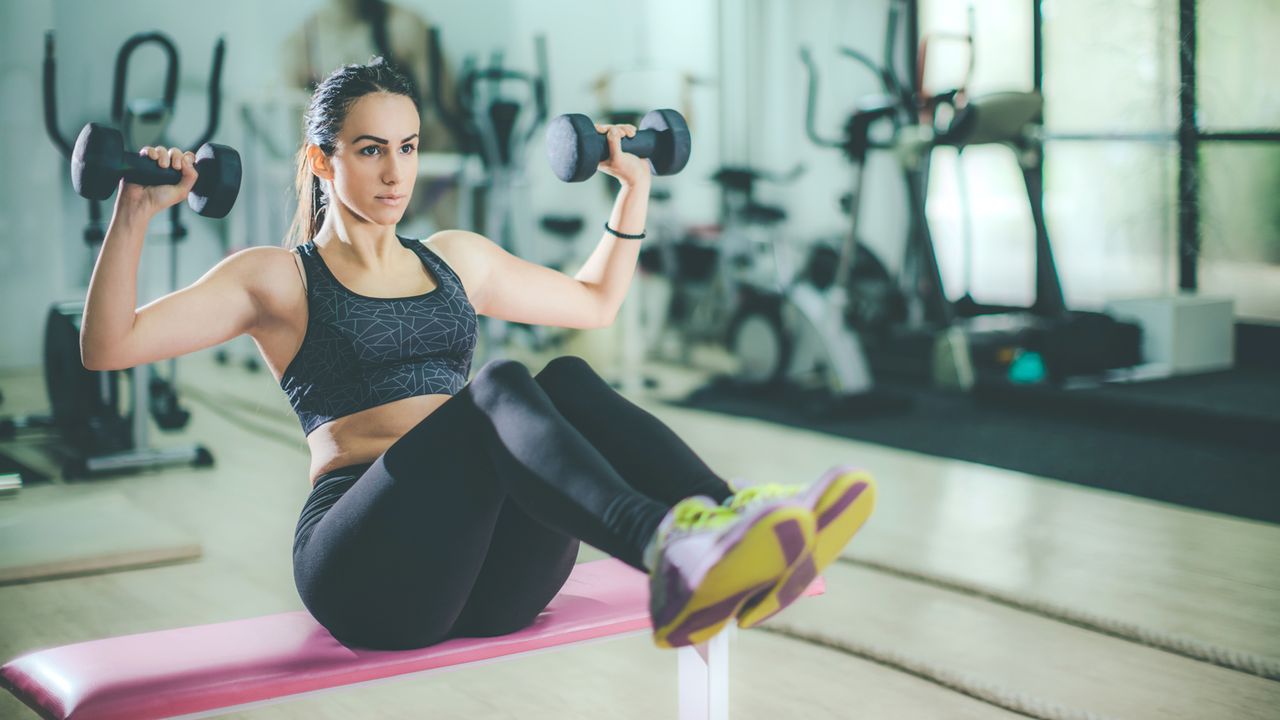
[{"x": 362, "y": 243}]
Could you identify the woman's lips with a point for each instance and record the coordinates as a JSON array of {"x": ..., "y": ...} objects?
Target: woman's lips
[{"x": 390, "y": 199}]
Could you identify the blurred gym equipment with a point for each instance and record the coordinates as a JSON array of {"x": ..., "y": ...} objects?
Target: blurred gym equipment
[
  {"x": 85, "y": 405},
  {"x": 961, "y": 343},
  {"x": 488, "y": 122}
]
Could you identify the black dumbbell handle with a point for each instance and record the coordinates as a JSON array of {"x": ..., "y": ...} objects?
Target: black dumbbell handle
[
  {"x": 645, "y": 144},
  {"x": 142, "y": 170}
]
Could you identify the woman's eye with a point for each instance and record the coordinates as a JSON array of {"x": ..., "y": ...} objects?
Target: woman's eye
[
  {"x": 407, "y": 148},
  {"x": 367, "y": 148}
]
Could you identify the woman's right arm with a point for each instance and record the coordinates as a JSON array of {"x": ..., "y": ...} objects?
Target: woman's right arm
[{"x": 212, "y": 310}]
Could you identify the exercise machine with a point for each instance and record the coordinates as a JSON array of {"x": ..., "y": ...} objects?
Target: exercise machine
[
  {"x": 86, "y": 405},
  {"x": 709, "y": 268},
  {"x": 492, "y": 121},
  {"x": 877, "y": 305},
  {"x": 1002, "y": 344}
]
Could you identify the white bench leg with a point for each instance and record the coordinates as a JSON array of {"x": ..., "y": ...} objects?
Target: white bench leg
[{"x": 704, "y": 678}]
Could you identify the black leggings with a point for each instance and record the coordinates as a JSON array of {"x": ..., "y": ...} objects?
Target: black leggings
[{"x": 469, "y": 524}]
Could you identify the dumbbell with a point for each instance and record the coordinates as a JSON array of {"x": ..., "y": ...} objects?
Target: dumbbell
[
  {"x": 99, "y": 161},
  {"x": 575, "y": 148}
]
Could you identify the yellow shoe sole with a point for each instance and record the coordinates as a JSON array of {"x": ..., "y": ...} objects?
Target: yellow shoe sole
[
  {"x": 753, "y": 554},
  {"x": 846, "y": 501}
]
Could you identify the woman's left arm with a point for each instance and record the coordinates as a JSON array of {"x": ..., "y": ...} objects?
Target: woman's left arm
[
  {"x": 510, "y": 288},
  {"x": 613, "y": 263}
]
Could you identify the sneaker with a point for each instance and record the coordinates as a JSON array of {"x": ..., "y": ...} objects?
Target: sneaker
[
  {"x": 711, "y": 560},
  {"x": 840, "y": 501}
]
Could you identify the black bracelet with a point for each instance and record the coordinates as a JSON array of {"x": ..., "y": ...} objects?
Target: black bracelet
[{"x": 624, "y": 236}]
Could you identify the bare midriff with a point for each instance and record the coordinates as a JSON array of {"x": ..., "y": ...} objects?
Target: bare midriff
[{"x": 363, "y": 436}]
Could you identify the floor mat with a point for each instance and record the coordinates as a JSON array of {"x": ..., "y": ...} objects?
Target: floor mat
[{"x": 1120, "y": 456}]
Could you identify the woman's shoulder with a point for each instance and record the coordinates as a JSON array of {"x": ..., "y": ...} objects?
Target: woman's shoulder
[
  {"x": 462, "y": 251},
  {"x": 263, "y": 262},
  {"x": 273, "y": 274},
  {"x": 450, "y": 244},
  {"x": 260, "y": 262}
]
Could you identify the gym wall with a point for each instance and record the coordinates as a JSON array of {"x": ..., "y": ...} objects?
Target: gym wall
[
  {"x": 41, "y": 218},
  {"x": 1111, "y": 206}
]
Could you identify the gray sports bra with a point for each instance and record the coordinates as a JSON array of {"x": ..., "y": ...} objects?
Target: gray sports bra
[{"x": 360, "y": 351}]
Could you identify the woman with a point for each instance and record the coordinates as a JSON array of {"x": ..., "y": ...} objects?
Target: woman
[{"x": 442, "y": 508}]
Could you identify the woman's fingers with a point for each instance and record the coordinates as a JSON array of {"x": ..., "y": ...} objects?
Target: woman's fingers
[
  {"x": 160, "y": 155},
  {"x": 616, "y": 133},
  {"x": 189, "y": 169},
  {"x": 174, "y": 158},
  {"x": 627, "y": 130}
]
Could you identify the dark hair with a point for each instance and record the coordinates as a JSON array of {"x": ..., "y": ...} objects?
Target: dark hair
[{"x": 325, "y": 116}]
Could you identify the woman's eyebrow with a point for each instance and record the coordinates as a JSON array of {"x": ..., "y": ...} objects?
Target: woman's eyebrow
[{"x": 381, "y": 141}]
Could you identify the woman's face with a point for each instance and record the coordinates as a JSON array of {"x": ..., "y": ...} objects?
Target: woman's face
[{"x": 375, "y": 161}]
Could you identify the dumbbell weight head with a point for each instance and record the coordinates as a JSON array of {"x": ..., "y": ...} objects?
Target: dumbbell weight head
[
  {"x": 575, "y": 148},
  {"x": 672, "y": 142},
  {"x": 220, "y": 170},
  {"x": 99, "y": 161}
]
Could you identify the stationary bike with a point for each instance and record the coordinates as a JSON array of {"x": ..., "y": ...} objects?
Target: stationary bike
[
  {"x": 810, "y": 328},
  {"x": 708, "y": 268},
  {"x": 830, "y": 314}
]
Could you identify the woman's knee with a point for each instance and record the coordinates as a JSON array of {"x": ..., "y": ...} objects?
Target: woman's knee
[
  {"x": 566, "y": 371},
  {"x": 498, "y": 378},
  {"x": 500, "y": 372},
  {"x": 566, "y": 364}
]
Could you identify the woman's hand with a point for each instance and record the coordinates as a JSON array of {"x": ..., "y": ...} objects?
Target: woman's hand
[
  {"x": 154, "y": 198},
  {"x": 631, "y": 170}
]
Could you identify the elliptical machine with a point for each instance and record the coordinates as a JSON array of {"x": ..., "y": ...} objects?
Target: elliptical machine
[
  {"x": 896, "y": 316},
  {"x": 812, "y": 327},
  {"x": 496, "y": 127},
  {"x": 85, "y": 404}
]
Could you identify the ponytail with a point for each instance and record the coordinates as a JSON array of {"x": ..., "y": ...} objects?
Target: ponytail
[{"x": 311, "y": 204}]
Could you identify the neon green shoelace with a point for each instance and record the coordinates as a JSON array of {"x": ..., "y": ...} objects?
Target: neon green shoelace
[
  {"x": 697, "y": 516},
  {"x": 747, "y": 496}
]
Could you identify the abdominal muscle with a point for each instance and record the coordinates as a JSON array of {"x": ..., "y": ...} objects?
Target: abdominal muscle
[{"x": 363, "y": 436}]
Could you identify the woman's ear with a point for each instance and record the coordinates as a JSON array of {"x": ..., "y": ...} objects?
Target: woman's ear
[{"x": 321, "y": 164}]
